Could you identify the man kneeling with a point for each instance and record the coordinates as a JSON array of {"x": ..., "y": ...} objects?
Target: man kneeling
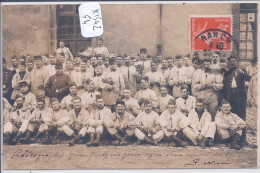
[
  {"x": 229, "y": 125},
  {"x": 148, "y": 127},
  {"x": 202, "y": 126},
  {"x": 121, "y": 124}
]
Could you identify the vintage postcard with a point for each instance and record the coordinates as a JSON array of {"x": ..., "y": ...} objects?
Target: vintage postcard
[{"x": 132, "y": 85}]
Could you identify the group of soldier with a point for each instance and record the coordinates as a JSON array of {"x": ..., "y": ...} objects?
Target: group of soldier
[{"x": 183, "y": 100}]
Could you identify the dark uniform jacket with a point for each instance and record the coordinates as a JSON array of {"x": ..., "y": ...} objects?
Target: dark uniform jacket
[
  {"x": 58, "y": 86},
  {"x": 7, "y": 84}
]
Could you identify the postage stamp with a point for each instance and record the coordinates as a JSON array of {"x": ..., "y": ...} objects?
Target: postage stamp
[{"x": 210, "y": 33}]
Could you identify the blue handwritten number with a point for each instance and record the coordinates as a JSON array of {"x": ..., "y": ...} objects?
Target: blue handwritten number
[
  {"x": 96, "y": 27},
  {"x": 95, "y": 11}
]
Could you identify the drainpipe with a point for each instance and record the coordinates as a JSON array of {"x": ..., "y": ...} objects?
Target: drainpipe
[{"x": 159, "y": 43}]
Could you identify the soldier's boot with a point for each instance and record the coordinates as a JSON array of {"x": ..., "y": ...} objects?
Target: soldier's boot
[
  {"x": 26, "y": 139},
  {"x": 34, "y": 139},
  {"x": 7, "y": 138},
  {"x": 15, "y": 139},
  {"x": 209, "y": 142},
  {"x": 202, "y": 143},
  {"x": 46, "y": 138},
  {"x": 150, "y": 141},
  {"x": 119, "y": 139},
  {"x": 124, "y": 141},
  {"x": 73, "y": 140},
  {"x": 97, "y": 140},
  {"x": 235, "y": 139},
  {"x": 91, "y": 139},
  {"x": 54, "y": 139},
  {"x": 179, "y": 142}
]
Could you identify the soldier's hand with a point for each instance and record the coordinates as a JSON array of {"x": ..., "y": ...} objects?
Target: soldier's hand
[{"x": 200, "y": 137}]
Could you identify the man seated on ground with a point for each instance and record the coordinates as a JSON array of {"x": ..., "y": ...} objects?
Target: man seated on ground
[
  {"x": 148, "y": 127},
  {"x": 41, "y": 119},
  {"x": 164, "y": 99},
  {"x": 202, "y": 126},
  {"x": 186, "y": 102},
  {"x": 60, "y": 119},
  {"x": 174, "y": 123},
  {"x": 97, "y": 121},
  {"x": 229, "y": 125},
  {"x": 78, "y": 121},
  {"x": 131, "y": 104},
  {"x": 38, "y": 121},
  {"x": 121, "y": 124},
  {"x": 14, "y": 119}
]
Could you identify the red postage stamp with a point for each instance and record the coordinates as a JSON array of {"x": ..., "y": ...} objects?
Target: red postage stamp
[{"x": 210, "y": 33}]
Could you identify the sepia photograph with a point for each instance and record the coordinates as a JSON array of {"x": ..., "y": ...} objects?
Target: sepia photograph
[{"x": 134, "y": 85}]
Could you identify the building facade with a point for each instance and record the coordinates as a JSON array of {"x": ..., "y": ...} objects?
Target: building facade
[{"x": 161, "y": 28}]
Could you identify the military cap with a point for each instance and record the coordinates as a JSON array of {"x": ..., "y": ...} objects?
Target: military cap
[
  {"x": 199, "y": 101},
  {"x": 231, "y": 57},
  {"x": 22, "y": 58},
  {"x": 58, "y": 65},
  {"x": 146, "y": 78},
  {"x": 37, "y": 57},
  {"x": 146, "y": 102},
  {"x": 13, "y": 58},
  {"x": 178, "y": 56},
  {"x": 188, "y": 55},
  {"x": 23, "y": 63},
  {"x": 143, "y": 50},
  {"x": 22, "y": 83},
  {"x": 18, "y": 96},
  {"x": 99, "y": 97},
  {"x": 207, "y": 60}
]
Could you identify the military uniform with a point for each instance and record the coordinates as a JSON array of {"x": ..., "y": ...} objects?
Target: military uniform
[
  {"x": 147, "y": 94},
  {"x": 7, "y": 84},
  {"x": 163, "y": 102},
  {"x": 58, "y": 86},
  {"x": 15, "y": 83},
  {"x": 186, "y": 104},
  {"x": 38, "y": 77}
]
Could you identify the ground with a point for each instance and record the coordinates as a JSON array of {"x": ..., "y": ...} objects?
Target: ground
[{"x": 36, "y": 156}]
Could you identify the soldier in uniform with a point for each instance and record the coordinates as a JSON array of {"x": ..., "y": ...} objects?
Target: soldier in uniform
[
  {"x": 39, "y": 121},
  {"x": 41, "y": 95},
  {"x": 174, "y": 123},
  {"x": 131, "y": 104},
  {"x": 30, "y": 101},
  {"x": 186, "y": 102},
  {"x": 64, "y": 50},
  {"x": 14, "y": 61},
  {"x": 101, "y": 49},
  {"x": 58, "y": 85},
  {"x": 164, "y": 99},
  {"x": 97, "y": 121},
  {"x": 66, "y": 101},
  {"x": 14, "y": 119},
  {"x": 79, "y": 123},
  {"x": 29, "y": 65},
  {"x": 229, "y": 125},
  {"x": 146, "y": 94},
  {"x": 39, "y": 75},
  {"x": 208, "y": 83},
  {"x": 148, "y": 127},
  {"x": 234, "y": 90},
  {"x": 7, "y": 82},
  {"x": 60, "y": 119},
  {"x": 121, "y": 124},
  {"x": 21, "y": 75},
  {"x": 201, "y": 124}
]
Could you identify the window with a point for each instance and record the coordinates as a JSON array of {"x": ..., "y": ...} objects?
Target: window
[
  {"x": 247, "y": 31},
  {"x": 68, "y": 29}
]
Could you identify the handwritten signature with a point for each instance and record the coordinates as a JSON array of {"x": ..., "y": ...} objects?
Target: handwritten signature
[{"x": 197, "y": 161}]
